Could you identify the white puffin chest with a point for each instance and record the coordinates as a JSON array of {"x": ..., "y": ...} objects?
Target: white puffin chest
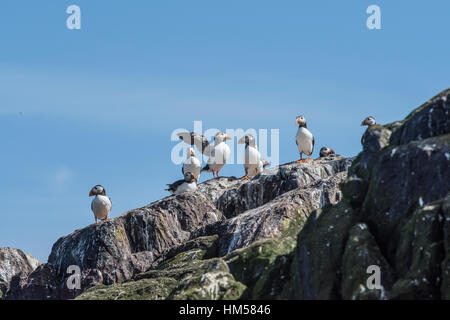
[
  {"x": 193, "y": 165},
  {"x": 186, "y": 187},
  {"x": 219, "y": 156},
  {"x": 101, "y": 206},
  {"x": 304, "y": 141},
  {"x": 252, "y": 157}
]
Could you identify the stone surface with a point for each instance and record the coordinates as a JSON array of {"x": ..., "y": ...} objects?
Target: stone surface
[
  {"x": 14, "y": 262},
  {"x": 191, "y": 279},
  {"x": 233, "y": 196},
  {"x": 141, "y": 239},
  {"x": 298, "y": 231},
  {"x": 399, "y": 191},
  {"x": 267, "y": 220},
  {"x": 315, "y": 269},
  {"x": 419, "y": 255},
  {"x": 122, "y": 247},
  {"x": 429, "y": 120},
  {"x": 445, "y": 266},
  {"x": 360, "y": 253}
]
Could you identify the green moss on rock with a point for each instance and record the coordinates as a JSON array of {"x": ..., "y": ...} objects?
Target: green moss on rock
[
  {"x": 208, "y": 244},
  {"x": 3, "y": 287},
  {"x": 121, "y": 234},
  {"x": 260, "y": 265},
  {"x": 212, "y": 281},
  {"x": 145, "y": 289},
  {"x": 198, "y": 279},
  {"x": 182, "y": 259}
]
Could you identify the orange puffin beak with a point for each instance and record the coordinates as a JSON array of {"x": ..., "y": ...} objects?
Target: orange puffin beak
[
  {"x": 362, "y": 124},
  {"x": 91, "y": 193},
  {"x": 227, "y": 137},
  {"x": 332, "y": 151}
]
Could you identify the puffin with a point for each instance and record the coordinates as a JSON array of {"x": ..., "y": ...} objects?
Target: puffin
[
  {"x": 218, "y": 155},
  {"x": 188, "y": 184},
  {"x": 192, "y": 164},
  {"x": 101, "y": 205},
  {"x": 261, "y": 167},
  {"x": 326, "y": 152},
  {"x": 252, "y": 157},
  {"x": 369, "y": 121},
  {"x": 304, "y": 139}
]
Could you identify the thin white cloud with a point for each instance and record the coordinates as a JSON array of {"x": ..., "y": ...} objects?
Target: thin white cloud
[{"x": 61, "y": 177}]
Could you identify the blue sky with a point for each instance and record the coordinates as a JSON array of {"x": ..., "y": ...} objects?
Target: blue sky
[{"x": 98, "y": 105}]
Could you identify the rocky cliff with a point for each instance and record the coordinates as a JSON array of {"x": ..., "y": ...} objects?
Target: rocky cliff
[
  {"x": 14, "y": 262},
  {"x": 298, "y": 231}
]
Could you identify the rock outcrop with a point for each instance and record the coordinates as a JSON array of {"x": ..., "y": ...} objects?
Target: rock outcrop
[
  {"x": 319, "y": 230},
  {"x": 236, "y": 212},
  {"x": 394, "y": 216},
  {"x": 116, "y": 250},
  {"x": 14, "y": 262}
]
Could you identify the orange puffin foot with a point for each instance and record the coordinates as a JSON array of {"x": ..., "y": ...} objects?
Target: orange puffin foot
[
  {"x": 300, "y": 161},
  {"x": 244, "y": 177}
]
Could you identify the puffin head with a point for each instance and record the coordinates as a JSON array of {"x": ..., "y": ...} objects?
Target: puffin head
[
  {"x": 369, "y": 121},
  {"x": 191, "y": 152},
  {"x": 97, "y": 190},
  {"x": 301, "y": 121},
  {"x": 189, "y": 177},
  {"x": 221, "y": 137},
  {"x": 325, "y": 151},
  {"x": 248, "y": 139}
]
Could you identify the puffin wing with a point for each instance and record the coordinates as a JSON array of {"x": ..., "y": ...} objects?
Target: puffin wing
[
  {"x": 174, "y": 186},
  {"x": 202, "y": 144},
  {"x": 187, "y": 137},
  {"x": 312, "y": 149},
  {"x": 197, "y": 140}
]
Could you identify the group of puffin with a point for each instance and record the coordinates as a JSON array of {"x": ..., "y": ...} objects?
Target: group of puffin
[{"x": 217, "y": 155}]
